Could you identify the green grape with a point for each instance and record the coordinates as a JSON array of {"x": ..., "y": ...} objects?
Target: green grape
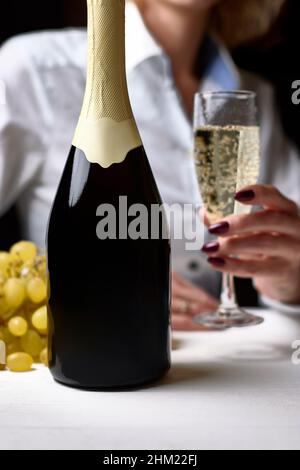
[
  {"x": 36, "y": 290},
  {"x": 25, "y": 250},
  {"x": 6, "y": 334},
  {"x": 7, "y": 314},
  {"x": 15, "y": 293},
  {"x": 18, "y": 326},
  {"x": 13, "y": 347},
  {"x": 40, "y": 266},
  {"x": 44, "y": 356},
  {"x": 3, "y": 307},
  {"x": 5, "y": 260},
  {"x": 40, "y": 319},
  {"x": 19, "y": 362},
  {"x": 22, "y": 284},
  {"x": 26, "y": 270},
  {"x": 31, "y": 343},
  {"x": 2, "y": 351}
]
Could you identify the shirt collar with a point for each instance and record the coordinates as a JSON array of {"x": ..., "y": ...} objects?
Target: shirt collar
[{"x": 220, "y": 72}]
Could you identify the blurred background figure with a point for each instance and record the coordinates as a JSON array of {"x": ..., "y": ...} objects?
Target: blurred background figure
[
  {"x": 45, "y": 77},
  {"x": 269, "y": 55}
]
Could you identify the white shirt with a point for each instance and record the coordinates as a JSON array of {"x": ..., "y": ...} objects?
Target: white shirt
[{"x": 44, "y": 78}]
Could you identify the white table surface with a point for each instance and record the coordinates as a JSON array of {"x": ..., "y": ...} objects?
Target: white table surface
[{"x": 233, "y": 390}]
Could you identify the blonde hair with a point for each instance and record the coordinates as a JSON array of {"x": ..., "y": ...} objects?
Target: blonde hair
[{"x": 238, "y": 21}]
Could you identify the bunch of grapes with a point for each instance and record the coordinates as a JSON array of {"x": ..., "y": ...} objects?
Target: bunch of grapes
[{"x": 23, "y": 311}]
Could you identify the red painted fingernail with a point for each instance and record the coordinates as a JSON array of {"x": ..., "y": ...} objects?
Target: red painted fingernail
[
  {"x": 211, "y": 247},
  {"x": 219, "y": 229},
  {"x": 218, "y": 262},
  {"x": 245, "y": 196}
]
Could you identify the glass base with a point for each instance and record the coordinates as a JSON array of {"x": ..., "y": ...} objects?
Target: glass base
[{"x": 224, "y": 319}]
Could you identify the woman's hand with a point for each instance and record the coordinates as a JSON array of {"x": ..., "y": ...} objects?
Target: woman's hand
[
  {"x": 264, "y": 245},
  {"x": 188, "y": 301}
]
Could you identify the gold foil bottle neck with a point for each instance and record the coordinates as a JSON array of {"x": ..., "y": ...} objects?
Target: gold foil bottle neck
[{"x": 106, "y": 131}]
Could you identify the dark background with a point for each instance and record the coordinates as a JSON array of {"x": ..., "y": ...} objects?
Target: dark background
[{"x": 276, "y": 57}]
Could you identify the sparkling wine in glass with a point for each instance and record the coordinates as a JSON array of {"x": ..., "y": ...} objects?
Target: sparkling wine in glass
[{"x": 227, "y": 159}]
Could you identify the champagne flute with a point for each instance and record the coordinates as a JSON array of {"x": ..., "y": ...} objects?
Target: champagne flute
[{"x": 227, "y": 159}]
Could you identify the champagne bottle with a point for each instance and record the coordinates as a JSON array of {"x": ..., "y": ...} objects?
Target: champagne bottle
[{"x": 109, "y": 305}]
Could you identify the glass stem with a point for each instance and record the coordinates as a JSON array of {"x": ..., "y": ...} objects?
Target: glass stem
[{"x": 228, "y": 297}]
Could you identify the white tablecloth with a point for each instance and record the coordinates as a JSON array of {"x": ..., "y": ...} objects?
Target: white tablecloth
[{"x": 233, "y": 390}]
